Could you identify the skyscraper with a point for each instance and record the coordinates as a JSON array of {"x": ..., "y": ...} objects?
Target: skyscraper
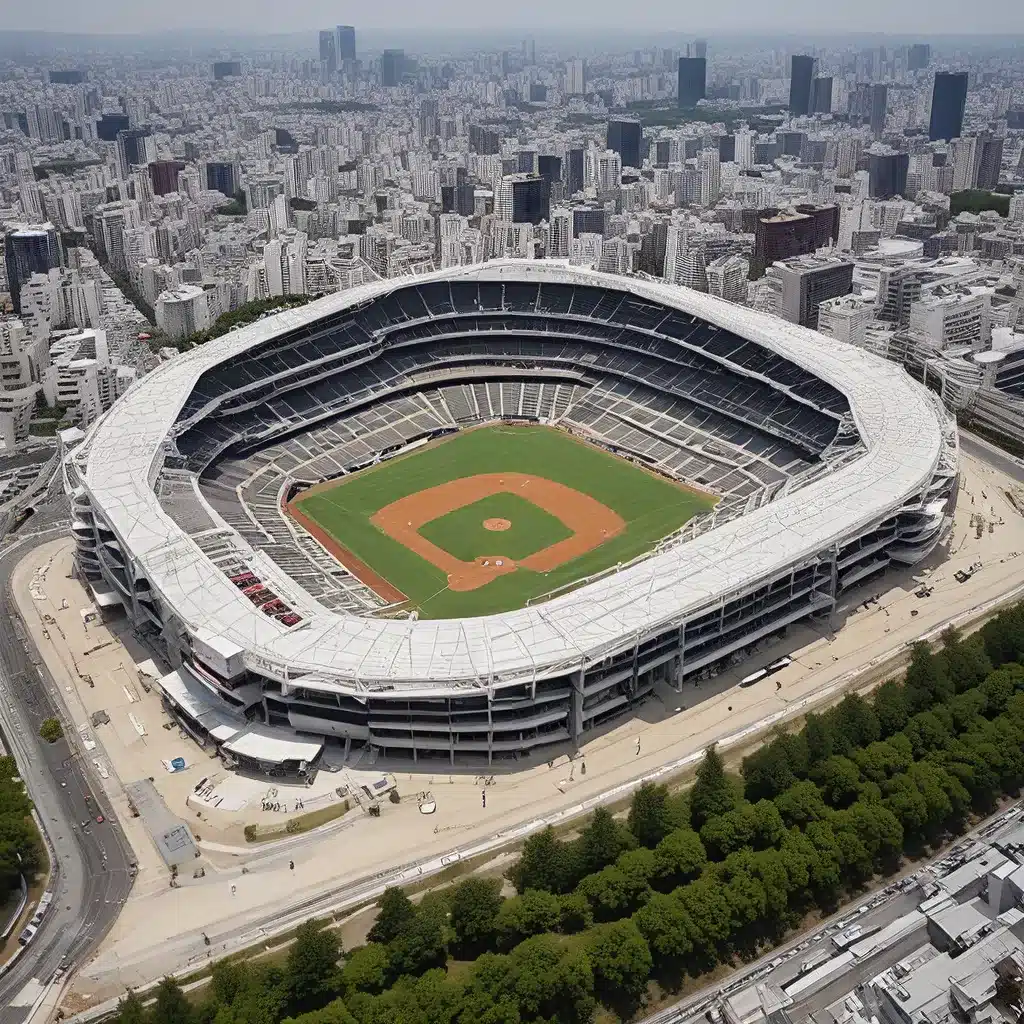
[
  {"x": 135, "y": 147},
  {"x": 918, "y": 56},
  {"x": 345, "y": 42},
  {"x": 392, "y": 65},
  {"x": 328, "y": 53},
  {"x": 576, "y": 77},
  {"x": 781, "y": 234},
  {"x": 800, "y": 79},
  {"x": 821, "y": 95},
  {"x": 990, "y": 160},
  {"x": 949, "y": 97},
  {"x": 222, "y": 175},
  {"x": 28, "y": 250},
  {"x": 692, "y": 81},
  {"x": 887, "y": 174},
  {"x": 879, "y": 107},
  {"x": 804, "y": 282},
  {"x": 523, "y": 198},
  {"x": 700, "y": 49},
  {"x": 164, "y": 176},
  {"x": 624, "y": 137}
]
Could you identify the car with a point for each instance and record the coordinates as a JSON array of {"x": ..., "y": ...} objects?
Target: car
[{"x": 99, "y": 819}]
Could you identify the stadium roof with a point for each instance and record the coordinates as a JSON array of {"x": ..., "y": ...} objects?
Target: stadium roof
[{"x": 900, "y": 423}]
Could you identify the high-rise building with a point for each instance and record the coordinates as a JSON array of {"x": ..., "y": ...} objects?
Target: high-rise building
[
  {"x": 989, "y": 160},
  {"x": 804, "y": 282},
  {"x": 529, "y": 51},
  {"x": 700, "y": 49},
  {"x": 222, "y": 175},
  {"x": 31, "y": 249},
  {"x": 328, "y": 53},
  {"x": 164, "y": 176},
  {"x": 523, "y": 199},
  {"x": 800, "y": 79},
  {"x": 135, "y": 148},
  {"x": 182, "y": 311},
  {"x": 887, "y": 174},
  {"x": 576, "y": 77},
  {"x": 574, "y": 175},
  {"x": 727, "y": 277},
  {"x": 949, "y": 98},
  {"x": 879, "y": 107},
  {"x": 782, "y": 234},
  {"x": 108, "y": 126},
  {"x": 918, "y": 56},
  {"x": 710, "y": 177},
  {"x": 226, "y": 69},
  {"x": 692, "y": 81},
  {"x": 392, "y": 67},
  {"x": 485, "y": 141},
  {"x": 624, "y": 138},
  {"x": 821, "y": 95},
  {"x": 345, "y": 42},
  {"x": 66, "y": 76}
]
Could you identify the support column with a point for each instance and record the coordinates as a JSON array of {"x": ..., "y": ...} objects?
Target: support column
[{"x": 576, "y": 707}]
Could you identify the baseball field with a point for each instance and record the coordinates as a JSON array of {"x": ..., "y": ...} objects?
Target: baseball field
[{"x": 484, "y": 520}]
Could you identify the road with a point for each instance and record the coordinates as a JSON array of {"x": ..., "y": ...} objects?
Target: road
[
  {"x": 92, "y": 865},
  {"x": 987, "y": 452}
]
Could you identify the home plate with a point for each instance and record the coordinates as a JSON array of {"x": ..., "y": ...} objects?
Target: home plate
[{"x": 29, "y": 994}]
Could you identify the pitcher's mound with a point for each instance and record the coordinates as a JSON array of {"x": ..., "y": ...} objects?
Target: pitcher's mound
[{"x": 497, "y": 525}]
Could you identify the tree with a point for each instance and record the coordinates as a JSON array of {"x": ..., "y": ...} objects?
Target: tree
[
  {"x": 599, "y": 844},
  {"x": 801, "y": 803},
  {"x": 927, "y": 680},
  {"x": 926, "y": 732},
  {"x": 854, "y": 724},
  {"x": 533, "y": 913},
  {"x": 335, "y": 1012},
  {"x": 613, "y": 894},
  {"x": 475, "y": 904},
  {"x": 650, "y": 815},
  {"x": 819, "y": 739},
  {"x": 840, "y": 780},
  {"x": 170, "y": 1005},
  {"x": 1000, "y": 686},
  {"x": 549, "y": 983},
  {"x": 775, "y": 767},
  {"x": 366, "y": 969},
  {"x": 622, "y": 963},
  {"x": 966, "y": 659},
  {"x": 130, "y": 1009},
  {"x": 574, "y": 913},
  {"x": 713, "y": 792},
  {"x": 723, "y": 834},
  {"x": 51, "y": 730},
  {"x": 542, "y": 864},
  {"x": 420, "y": 947},
  {"x": 679, "y": 857},
  {"x": 227, "y": 979},
  {"x": 881, "y": 760},
  {"x": 395, "y": 913},
  {"x": 313, "y": 965},
  {"x": 892, "y": 707},
  {"x": 667, "y": 928}
]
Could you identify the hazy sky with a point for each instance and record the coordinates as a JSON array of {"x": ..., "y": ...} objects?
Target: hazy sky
[{"x": 926, "y": 17}]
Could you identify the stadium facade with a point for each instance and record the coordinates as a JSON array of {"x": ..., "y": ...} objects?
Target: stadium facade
[{"x": 831, "y": 465}]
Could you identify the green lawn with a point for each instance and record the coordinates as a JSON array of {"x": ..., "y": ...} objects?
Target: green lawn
[
  {"x": 652, "y": 507},
  {"x": 461, "y": 532}
]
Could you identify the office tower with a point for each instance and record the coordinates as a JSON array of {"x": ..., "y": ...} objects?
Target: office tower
[
  {"x": 538, "y": 93},
  {"x": 392, "y": 67},
  {"x": 727, "y": 277},
  {"x": 560, "y": 233},
  {"x": 918, "y": 56},
  {"x": 887, "y": 174},
  {"x": 576, "y": 77},
  {"x": 662, "y": 152},
  {"x": 587, "y": 220},
  {"x": 574, "y": 175},
  {"x": 710, "y": 177},
  {"x": 66, "y": 76},
  {"x": 523, "y": 199},
  {"x": 879, "y": 106},
  {"x": 458, "y": 199},
  {"x": 781, "y": 234},
  {"x": 847, "y": 156},
  {"x": 804, "y": 282},
  {"x": 821, "y": 95},
  {"x": 31, "y": 249},
  {"x": 692, "y": 81},
  {"x": 345, "y": 42},
  {"x": 485, "y": 141},
  {"x": 222, "y": 175},
  {"x": 108, "y": 126},
  {"x": 164, "y": 176},
  {"x": 801, "y": 77},
  {"x": 182, "y": 311},
  {"x": 949, "y": 97},
  {"x": 226, "y": 69},
  {"x": 135, "y": 148},
  {"x": 989, "y": 160},
  {"x": 624, "y": 138},
  {"x": 549, "y": 167},
  {"x": 726, "y": 148},
  {"x": 700, "y": 49},
  {"x": 529, "y": 52},
  {"x": 328, "y": 54}
]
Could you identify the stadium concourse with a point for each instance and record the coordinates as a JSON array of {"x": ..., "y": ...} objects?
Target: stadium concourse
[
  {"x": 249, "y": 891},
  {"x": 828, "y": 466}
]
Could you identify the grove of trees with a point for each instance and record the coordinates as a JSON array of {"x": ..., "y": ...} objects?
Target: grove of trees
[
  {"x": 687, "y": 882},
  {"x": 20, "y": 850}
]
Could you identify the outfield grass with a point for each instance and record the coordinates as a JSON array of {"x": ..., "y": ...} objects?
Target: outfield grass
[
  {"x": 652, "y": 507},
  {"x": 461, "y": 532}
]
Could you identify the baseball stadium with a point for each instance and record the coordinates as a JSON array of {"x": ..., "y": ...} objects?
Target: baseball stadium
[{"x": 476, "y": 514}]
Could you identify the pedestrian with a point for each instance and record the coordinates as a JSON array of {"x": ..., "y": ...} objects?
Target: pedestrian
[
  {"x": 583, "y": 767},
  {"x": 638, "y": 746},
  {"x": 483, "y": 797},
  {"x": 572, "y": 773}
]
